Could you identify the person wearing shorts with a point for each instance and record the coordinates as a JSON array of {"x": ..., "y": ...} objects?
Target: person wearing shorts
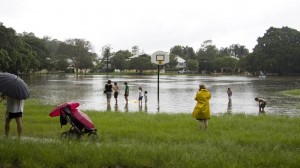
[
  {"x": 108, "y": 91},
  {"x": 261, "y": 103},
  {"x": 116, "y": 92},
  {"x": 14, "y": 110},
  {"x": 140, "y": 96}
]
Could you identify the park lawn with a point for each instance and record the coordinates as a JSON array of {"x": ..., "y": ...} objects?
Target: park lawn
[{"x": 138, "y": 139}]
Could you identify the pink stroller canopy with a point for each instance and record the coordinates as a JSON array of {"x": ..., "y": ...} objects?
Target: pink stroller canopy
[{"x": 56, "y": 112}]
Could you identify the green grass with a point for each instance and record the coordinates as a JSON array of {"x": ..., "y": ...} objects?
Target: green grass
[
  {"x": 154, "y": 140},
  {"x": 294, "y": 93}
]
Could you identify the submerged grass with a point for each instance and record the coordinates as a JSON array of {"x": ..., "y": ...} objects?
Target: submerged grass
[
  {"x": 293, "y": 93},
  {"x": 154, "y": 140}
]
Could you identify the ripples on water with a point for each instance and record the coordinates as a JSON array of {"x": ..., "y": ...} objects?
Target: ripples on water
[{"x": 176, "y": 93}]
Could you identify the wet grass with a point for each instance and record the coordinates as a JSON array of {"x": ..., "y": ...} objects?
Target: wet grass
[
  {"x": 154, "y": 140},
  {"x": 293, "y": 93}
]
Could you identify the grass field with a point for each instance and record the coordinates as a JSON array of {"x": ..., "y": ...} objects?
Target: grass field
[{"x": 153, "y": 140}]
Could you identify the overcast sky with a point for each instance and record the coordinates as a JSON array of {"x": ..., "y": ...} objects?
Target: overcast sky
[{"x": 151, "y": 24}]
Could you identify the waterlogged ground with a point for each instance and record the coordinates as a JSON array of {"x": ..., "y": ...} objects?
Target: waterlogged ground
[{"x": 176, "y": 93}]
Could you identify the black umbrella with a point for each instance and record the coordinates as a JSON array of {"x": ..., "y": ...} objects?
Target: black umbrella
[{"x": 13, "y": 86}]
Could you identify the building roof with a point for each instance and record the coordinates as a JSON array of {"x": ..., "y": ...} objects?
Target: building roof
[
  {"x": 179, "y": 59},
  {"x": 137, "y": 55}
]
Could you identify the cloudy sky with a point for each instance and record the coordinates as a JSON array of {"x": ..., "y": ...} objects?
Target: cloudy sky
[{"x": 151, "y": 24}]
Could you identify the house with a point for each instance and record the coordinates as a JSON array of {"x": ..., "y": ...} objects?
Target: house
[
  {"x": 181, "y": 63},
  {"x": 137, "y": 55}
]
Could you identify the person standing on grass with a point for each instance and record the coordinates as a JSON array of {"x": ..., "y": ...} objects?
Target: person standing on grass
[
  {"x": 108, "y": 91},
  {"x": 202, "y": 110},
  {"x": 261, "y": 103},
  {"x": 116, "y": 92},
  {"x": 126, "y": 94},
  {"x": 140, "y": 96},
  {"x": 14, "y": 110}
]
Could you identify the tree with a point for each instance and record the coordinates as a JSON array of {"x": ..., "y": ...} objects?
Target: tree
[
  {"x": 76, "y": 50},
  {"x": 177, "y": 50},
  {"x": 238, "y": 50},
  {"x": 16, "y": 55},
  {"x": 87, "y": 62},
  {"x": 189, "y": 53},
  {"x": 4, "y": 59},
  {"x": 106, "y": 56},
  {"x": 39, "y": 49},
  {"x": 141, "y": 63},
  {"x": 278, "y": 51},
  {"x": 135, "y": 50},
  {"x": 193, "y": 65},
  {"x": 56, "y": 60},
  {"x": 206, "y": 54},
  {"x": 224, "y": 52},
  {"x": 225, "y": 62},
  {"x": 173, "y": 61},
  {"x": 118, "y": 61}
]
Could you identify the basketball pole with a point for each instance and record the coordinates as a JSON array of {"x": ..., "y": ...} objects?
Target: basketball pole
[{"x": 158, "y": 82}]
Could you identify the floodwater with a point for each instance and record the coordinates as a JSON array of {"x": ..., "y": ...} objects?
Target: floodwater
[{"x": 176, "y": 93}]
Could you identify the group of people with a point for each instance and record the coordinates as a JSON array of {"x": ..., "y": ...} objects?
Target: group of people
[
  {"x": 110, "y": 90},
  {"x": 14, "y": 107},
  {"x": 202, "y": 109}
]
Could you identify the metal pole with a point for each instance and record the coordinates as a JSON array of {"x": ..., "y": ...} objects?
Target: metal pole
[{"x": 158, "y": 83}]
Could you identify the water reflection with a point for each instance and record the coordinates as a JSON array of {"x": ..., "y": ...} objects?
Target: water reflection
[
  {"x": 108, "y": 107},
  {"x": 116, "y": 108},
  {"x": 229, "y": 106},
  {"x": 176, "y": 92},
  {"x": 126, "y": 107},
  {"x": 143, "y": 108}
]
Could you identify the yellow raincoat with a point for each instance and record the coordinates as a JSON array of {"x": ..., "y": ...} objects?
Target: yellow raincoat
[{"x": 202, "y": 110}]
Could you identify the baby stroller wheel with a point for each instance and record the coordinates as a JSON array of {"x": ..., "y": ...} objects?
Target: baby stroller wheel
[{"x": 93, "y": 136}]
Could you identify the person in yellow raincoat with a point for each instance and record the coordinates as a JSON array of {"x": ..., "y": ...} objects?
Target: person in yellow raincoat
[{"x": 202, "y": 111}]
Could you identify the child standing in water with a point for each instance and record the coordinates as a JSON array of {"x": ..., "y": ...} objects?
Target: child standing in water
[
  {"x": 140, "y": 96},
  {"x": 116, "y": 92},
  {"x": 229, "y": 93},
  {"x": 126, "y": 94},
  {"x": 146, "y": 97}
]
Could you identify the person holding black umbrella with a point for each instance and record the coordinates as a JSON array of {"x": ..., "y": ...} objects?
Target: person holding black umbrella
[
  {"x": 14, "y": 110},
  {"x": 15, "y": 91}
]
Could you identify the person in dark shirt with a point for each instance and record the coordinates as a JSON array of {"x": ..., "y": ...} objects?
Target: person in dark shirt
[
  {"x": 108, "y": 91},
  {"x": 126, "y": 92}
]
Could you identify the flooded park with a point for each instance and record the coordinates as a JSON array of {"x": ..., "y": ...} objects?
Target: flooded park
[{"x": 176, "y": 93}]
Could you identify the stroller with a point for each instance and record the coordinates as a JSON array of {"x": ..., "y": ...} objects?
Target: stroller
[{"x": 79, "y": 121}]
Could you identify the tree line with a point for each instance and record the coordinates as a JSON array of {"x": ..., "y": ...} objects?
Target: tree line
[{"x": 278, "y": 51}]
